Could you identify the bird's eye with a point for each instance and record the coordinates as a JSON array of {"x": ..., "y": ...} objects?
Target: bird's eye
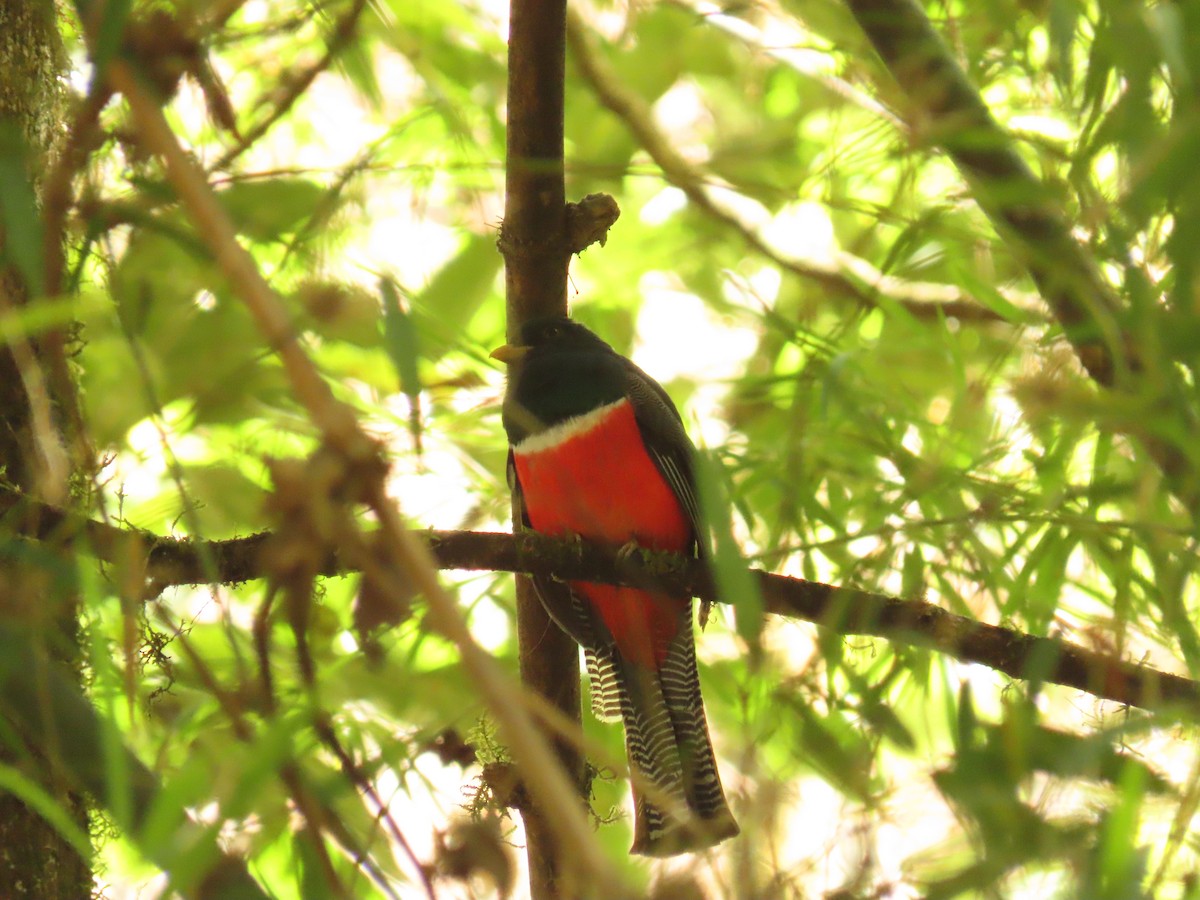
[{"x": 554, "y": 331}]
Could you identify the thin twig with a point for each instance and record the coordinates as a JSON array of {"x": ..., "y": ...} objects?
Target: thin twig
[
  {"x": 352, "y": 770},
  {"x": 58, "y": 187},
  {"x": 296, "y": 84},
  {"x": 52, "y": 466}
]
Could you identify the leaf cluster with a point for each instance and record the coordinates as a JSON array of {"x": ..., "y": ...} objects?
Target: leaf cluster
[{"x": 884, "y": 399}]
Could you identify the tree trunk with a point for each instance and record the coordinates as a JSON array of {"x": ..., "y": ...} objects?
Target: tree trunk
[
  {"x": 534, "y": 243},
  {"x": 35, "y": 595}
]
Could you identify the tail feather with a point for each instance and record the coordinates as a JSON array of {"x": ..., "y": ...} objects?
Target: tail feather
[
  {"x": 681, "y": 686},
  {"x": 606, "y": 691},
  {"x": 666, "y": 735}
]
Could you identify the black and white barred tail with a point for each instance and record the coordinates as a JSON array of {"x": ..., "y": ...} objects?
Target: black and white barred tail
[{"x": 679, "y": 804}]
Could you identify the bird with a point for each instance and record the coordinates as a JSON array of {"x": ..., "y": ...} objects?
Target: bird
[{"x": 598, "y": 451}]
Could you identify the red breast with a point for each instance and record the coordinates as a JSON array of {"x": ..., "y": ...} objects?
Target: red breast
[{"x": 592, "y": 476}]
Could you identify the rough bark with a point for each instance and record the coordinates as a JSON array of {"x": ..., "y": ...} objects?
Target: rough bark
[
  {"x": 170, "y": 561},
  {"x": 534, "y": 243},
  {"x": 35, "y": 860}
]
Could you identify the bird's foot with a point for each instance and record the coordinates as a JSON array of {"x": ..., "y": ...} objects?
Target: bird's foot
[
  {"x": 577, "y": 543},
  {"x": 630, "y": 552}
]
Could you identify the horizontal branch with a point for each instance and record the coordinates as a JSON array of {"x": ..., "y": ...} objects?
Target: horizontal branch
[
  {"x": 172, "y": 561},
  {"x": 844, "y": 610}
]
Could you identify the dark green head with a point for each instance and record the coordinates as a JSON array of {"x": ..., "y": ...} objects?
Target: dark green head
[{"x": 558, "y": 369}]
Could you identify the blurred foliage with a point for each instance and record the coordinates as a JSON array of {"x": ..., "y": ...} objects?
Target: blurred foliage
[{"x": 864, "y": 435}]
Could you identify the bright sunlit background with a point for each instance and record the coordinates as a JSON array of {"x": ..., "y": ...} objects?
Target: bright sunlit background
[{"x": 786, "y": 282}]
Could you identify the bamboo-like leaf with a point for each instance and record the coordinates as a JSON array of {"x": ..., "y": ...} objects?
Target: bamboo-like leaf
[
  {"x": 734, "y": 582},
  {"x": 400, "y": 341},
  {"x": 19, "y": 217}
]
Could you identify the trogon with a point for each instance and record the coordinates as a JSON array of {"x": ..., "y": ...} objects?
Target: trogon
[{"x": 598, "y": 450}]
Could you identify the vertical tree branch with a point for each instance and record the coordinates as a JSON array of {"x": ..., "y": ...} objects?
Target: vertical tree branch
[
  {"x": 533, "y": 241},
  {"x": 36, "y": 860}
]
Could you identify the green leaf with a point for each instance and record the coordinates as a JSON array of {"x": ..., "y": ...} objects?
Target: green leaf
[
  {"x": 111, "y": 31},
  {"x": 986, "y": 294},
  {"x": 734, "y": 582},
  {"x": 36, "y": 797},
  {"x": 1062, "y": 19},
  {"x": 33, "y": 319},
  {"x": 449, "y": 302},
  {"x": 1120, "y": 861},
  {"x": 268, "y": 209},
  {"x": 60, "y": 709},
  {"x": 913, "y": 583},
  {"x": 338, "y": 312},
  {"x": 400, "y": 338},
  {"x": 226, "y": 501},
  {"x": 19, "y": 219},
  {"x": 157, "y": 283},
  {"x": 884, "y": 720},
  {"x": 836, "y": 750},
  {"x": 966, "y": 722}
]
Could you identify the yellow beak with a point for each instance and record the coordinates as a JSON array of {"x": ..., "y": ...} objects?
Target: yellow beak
[{"x": 509, "y": 353}]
